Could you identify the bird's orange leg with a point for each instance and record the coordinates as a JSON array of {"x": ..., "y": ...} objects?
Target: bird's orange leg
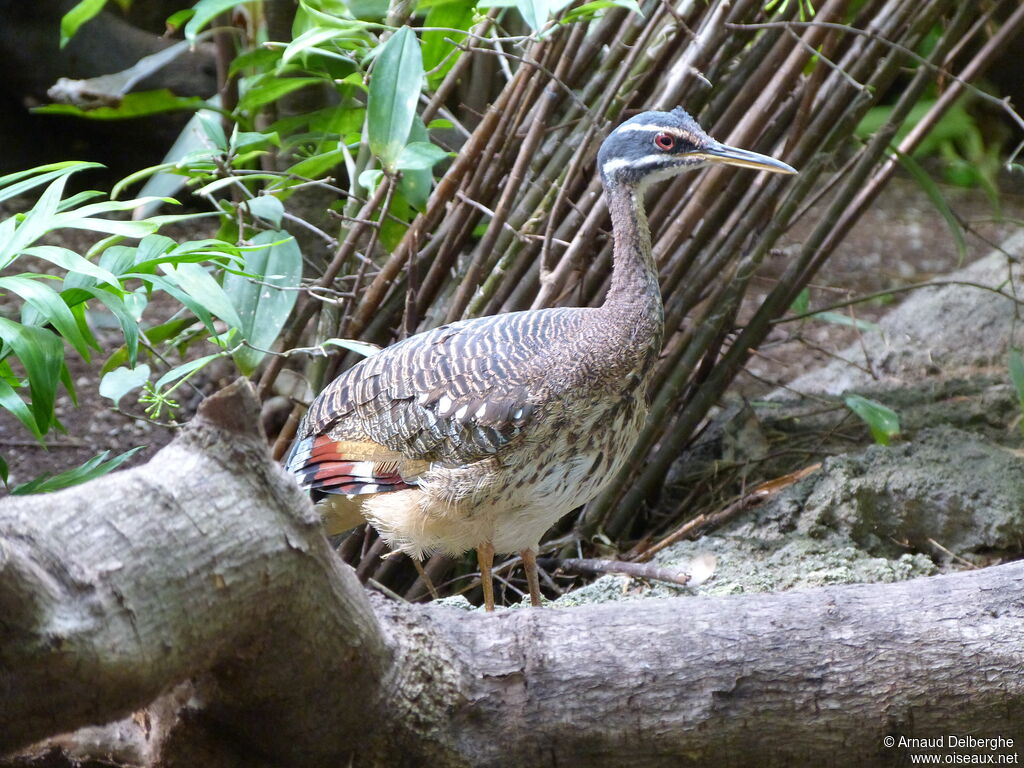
[
  {"x": 485, "y": 559},
  {"x": 530, "y": 566}
]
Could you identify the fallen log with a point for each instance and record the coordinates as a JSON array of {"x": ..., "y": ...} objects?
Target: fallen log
[{"x": 206, "y": 571}]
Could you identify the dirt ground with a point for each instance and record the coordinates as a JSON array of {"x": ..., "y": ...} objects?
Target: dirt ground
[{"x": 901, "y": 240}]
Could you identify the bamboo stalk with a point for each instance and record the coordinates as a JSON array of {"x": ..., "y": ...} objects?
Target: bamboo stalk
[{"x": 781, "y": 297}]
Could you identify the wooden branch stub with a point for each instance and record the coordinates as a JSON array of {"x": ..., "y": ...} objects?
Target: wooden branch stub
[{"x": 233, "y": 409}]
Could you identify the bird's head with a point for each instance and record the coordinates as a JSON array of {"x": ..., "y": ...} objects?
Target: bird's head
[{"x": 655, "y": 145}]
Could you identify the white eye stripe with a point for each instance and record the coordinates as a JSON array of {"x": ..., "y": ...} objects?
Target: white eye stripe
[
  {"x": 642, "y": 127},
  {"x": 613, "y": 165},
  {"x": 644, "y": 162}
]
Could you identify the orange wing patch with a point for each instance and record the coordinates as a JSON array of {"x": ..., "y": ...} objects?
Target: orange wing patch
[{"x": 351, "y": 467}]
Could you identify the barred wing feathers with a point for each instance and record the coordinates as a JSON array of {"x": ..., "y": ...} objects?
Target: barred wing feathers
[{"x": 453, "y": 395}]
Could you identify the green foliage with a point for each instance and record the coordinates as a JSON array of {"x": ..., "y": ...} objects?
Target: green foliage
[
  {"x": 394, "y": 91},
  {"x": 95, "y": 467},
  {"x": 32, "y": 348},
  {"x": 204, "y": 12},
  {"x": 237, "y": 291},
  {"x": 883, "y": 422},
  {"x": 804, "y": 8},
  {"x": 378, "y": 75},
  {"x": 802, "y": 304},
  {"x": 120, "y": 381},
  {"x": 956, "y": 139},
  {"x": 80, "y": 13},
  {"x": 591, "y": 9},
  {"x": 130, "y": 105},
  {"x": 262, "y": 310},
  {"x": 246, "y": 289}
]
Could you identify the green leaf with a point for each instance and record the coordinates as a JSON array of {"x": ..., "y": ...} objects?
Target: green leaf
[
  {"x": 368, "y": 9},
  {"x": 309, "y": 40},
  {"x": 369, "y": 179},
  {"x": 95, "y": 467},
  {"x": 127, "y": 319},
  {"x": 15, "y": 184},
  {"x": 176, "y": 19},
  {"x": 131, "y": 105},
  {"x": 120, "y": 381},
  {"x": 42, "y": 355},
  {"x": 170, "y": 329},
  {"x": 205, "y": 11},
  {"x": 79, "y": 199},
  {"x": 266, "y": 207},
  {"x": 210, "y": 124},
  {"x": 70, "y": 261},
  {"x": 199, "y": 284},
  {"x": 10, "y": 401},
  {"x": 164, "y": 169},
  {"x": 36, "y": 222},
  {"x": 135, "y": 303},
  {"x": 363, "y": 348},
  {"x": 184, "y": 369},
  {"x": 69, "y": 385},
  {"x": 420, "y": 156},
  {"x": 415, "y": 185},
  {"x": 439, "y": 55},
  {"x": 151, "y": 250},
  {"x": 317, "y": 165},
  {"x": 272, "y": 90},
  {"x": 883, "y": 422},
  {"x": 50, "y": 307},
  {"x": 77, "y": 16},
  {"x": 394, "y": 91},
  {"x": 589, "y": 10},
  {"x": 250, "y": 140},
  {"x": 802, "y": 302},
  {"x": 264, "y": 306},
  {"x": 535, "y": 12},
  {"x": 172, "y": 288}
]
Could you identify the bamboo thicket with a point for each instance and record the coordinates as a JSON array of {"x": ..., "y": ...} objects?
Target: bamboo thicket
[{"x": 518, "y": 221}]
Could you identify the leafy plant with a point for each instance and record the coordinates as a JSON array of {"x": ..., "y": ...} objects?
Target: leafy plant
[
  {"x": 957, "y": 140},
  {"x": 883, "y": 422},
  {"x": 95, "y": 467},
  {"x": 48, "y": 314}
]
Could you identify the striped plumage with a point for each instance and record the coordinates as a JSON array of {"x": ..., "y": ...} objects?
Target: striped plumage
[{"x": 484, "y": 432}]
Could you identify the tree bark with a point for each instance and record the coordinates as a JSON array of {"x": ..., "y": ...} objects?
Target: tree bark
[{"x": 207, "y": 569}]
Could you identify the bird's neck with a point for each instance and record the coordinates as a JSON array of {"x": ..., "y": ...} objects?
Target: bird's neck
[{"x": 634, "y": 297}]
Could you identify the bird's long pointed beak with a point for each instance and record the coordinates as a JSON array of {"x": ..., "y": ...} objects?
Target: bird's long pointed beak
[{"x": 726, "y": 155}]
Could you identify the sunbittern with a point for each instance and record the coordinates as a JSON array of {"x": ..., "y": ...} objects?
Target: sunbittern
[{"x": 482, "y": 433}]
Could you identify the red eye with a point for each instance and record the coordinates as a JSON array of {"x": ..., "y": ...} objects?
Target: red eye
[{"x": 664, "y": 141}]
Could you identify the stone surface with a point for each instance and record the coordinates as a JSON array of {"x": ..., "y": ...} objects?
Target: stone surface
[
  {"x": 883, "y": 514},
  {"x": 934, "y": 332}
]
